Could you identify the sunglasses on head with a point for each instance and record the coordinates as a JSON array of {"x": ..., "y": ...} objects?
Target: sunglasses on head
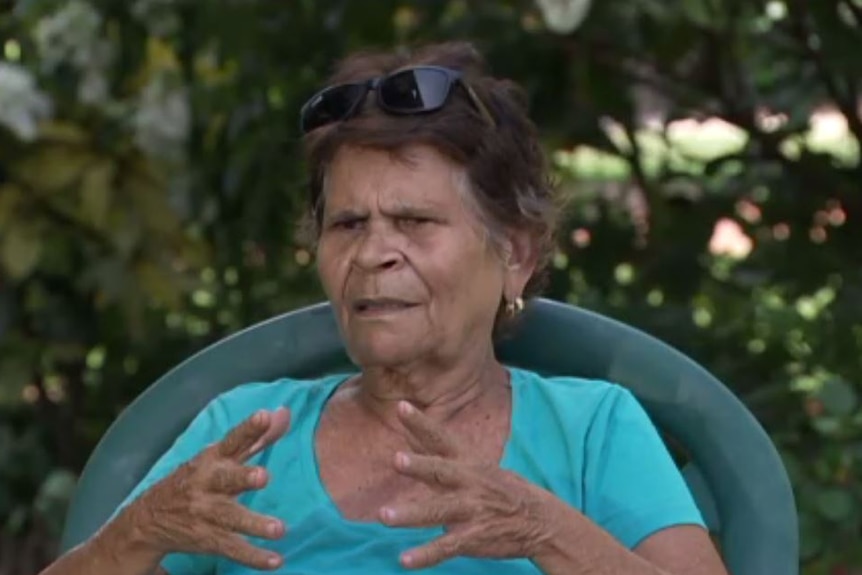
[{"x": 415, "y": 90}]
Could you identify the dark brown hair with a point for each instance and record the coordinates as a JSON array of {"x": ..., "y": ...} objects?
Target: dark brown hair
[{"x": 505, "y": 162}]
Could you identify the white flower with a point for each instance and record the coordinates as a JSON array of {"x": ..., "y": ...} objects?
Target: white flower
[
  {"x": 162, "y": 119},
  {"x": 22, "y": 105},
  {"x": 72, "y": 36},
  {"x": 563, "y": 16}
]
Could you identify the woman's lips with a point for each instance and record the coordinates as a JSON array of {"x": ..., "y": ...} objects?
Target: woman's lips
[{"x": 379, "y": 306}]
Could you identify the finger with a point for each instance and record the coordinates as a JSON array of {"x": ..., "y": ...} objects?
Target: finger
[
  {"x": 279, "y": 425},
  {"x": 437, "y": 551},
  {"x": 430, "y": 437},
  {"x": 254, "y": 434},
  {"x": 432, "y": 470},
  {"x": 235, "y": 518},
  {"x": 239, "y": 550},
  {"x": 433, "y": 512},
  {"x": 242, "y": 437},
  {"x": 234, "y": 479}
]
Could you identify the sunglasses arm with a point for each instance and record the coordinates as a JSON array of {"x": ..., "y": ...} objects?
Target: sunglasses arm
[{"x": 483, "y": 110}]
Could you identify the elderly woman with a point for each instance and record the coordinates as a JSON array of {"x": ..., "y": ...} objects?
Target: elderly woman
[{"x": 433, "y": 215}]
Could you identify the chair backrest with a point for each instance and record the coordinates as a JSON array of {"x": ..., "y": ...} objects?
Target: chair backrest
[{"x": 734, "y": 471}]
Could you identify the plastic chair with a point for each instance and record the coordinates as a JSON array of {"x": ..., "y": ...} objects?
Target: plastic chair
[{"x": 734, "y": 471}]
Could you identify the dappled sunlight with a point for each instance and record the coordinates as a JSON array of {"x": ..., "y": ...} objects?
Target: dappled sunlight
[
  {"x": 748, "y": 211},
  {"x": 686, "y": 144},
  {"x": 705, "y": 140},
  {"x": 728, "y": 239}
]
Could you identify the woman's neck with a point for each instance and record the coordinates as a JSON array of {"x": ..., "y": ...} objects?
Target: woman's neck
[{"x": 440, "y": 393}]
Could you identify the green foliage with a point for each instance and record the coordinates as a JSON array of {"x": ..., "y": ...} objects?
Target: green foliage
[{"x": 151, "y": 183}]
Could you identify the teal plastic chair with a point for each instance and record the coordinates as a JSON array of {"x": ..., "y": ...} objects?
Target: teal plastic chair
[{"x": 733, "y": 470}]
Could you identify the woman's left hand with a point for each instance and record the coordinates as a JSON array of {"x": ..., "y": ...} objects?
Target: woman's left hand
[{"x": 485, "y": 510}]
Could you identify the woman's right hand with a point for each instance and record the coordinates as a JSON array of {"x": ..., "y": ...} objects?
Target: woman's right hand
[{"x": 195, "y": 509}]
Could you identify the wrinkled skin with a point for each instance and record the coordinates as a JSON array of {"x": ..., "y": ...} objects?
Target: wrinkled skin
[
  {"x": 486, "y": 511},
  {"x": 194, "y": 509}
]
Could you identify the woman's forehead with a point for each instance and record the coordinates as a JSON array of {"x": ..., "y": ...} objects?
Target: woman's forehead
[{"x": 424, "y": 178}]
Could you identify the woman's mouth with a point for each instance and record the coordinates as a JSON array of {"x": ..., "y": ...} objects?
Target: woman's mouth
[{"x": 379, "y": 306}]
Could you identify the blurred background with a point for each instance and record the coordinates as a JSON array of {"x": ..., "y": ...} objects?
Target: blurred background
[{"x": 151, "y": 181}]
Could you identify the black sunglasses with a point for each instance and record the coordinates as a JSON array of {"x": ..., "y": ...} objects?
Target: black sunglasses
[{"x": 416, "y": 90}]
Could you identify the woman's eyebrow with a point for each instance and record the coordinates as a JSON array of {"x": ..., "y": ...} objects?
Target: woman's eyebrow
[
  {"x": 408, "y": 211},
  {"x": 345, "y": 213}
]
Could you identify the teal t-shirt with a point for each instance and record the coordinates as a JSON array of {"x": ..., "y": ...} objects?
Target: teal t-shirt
[{"x": 589, "y": 442}]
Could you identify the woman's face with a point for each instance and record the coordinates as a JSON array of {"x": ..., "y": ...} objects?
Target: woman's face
[{"x": 404, "y": 260}]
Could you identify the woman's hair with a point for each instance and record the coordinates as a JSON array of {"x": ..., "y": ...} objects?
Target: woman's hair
[{"x": 509, "y": 181}]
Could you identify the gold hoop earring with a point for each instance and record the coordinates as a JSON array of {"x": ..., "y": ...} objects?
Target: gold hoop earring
[{"x": 515, "y": 306}]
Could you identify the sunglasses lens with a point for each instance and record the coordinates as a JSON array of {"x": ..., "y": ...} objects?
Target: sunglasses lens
[
  {"x": 416, "y": 90},
  {"x": 331, "y": 105}
]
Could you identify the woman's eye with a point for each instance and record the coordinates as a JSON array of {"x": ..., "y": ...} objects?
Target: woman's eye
[
  {"x": 414, "y": 221},
  {"x": 348, "y": 224}
]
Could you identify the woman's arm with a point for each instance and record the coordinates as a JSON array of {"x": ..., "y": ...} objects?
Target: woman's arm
[
  {"x": 119, "y": 549},
  {"x": 490, "y": 512},
  {"x": 577, "y": 546},
  {"x": 191, "y": 511}
]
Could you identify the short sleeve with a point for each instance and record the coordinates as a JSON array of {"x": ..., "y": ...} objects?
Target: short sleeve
[
  {"x": 632, "y": 487},
  {"x": 209, "y": 426}
]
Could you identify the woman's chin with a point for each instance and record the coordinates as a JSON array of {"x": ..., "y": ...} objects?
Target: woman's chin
[{"x": 385, "y": 351}]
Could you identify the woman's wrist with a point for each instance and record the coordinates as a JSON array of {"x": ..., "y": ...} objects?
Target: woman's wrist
[
  {"x": 557, "y": 532},
  {"x": 573, "y": 545},
  {"x": 128, "y": 539}
]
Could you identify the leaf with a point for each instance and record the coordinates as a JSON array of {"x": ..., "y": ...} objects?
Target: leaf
[
  {"x": 126, "y": 232},
  {"x": 21, "y": 249},
  {"x": 63, "y": 133},
  {"x": 699, "y": 13},
  {"x": 826, "y": 425},
  {"x": 17, "y": 520},
  {"x": 15, "y": 375},
  {"x": 149, "y": 196},
  {"x": 158, "y": 284},
  {"x": 107, "y": 278},
  {"x": 96, "y": 188},
  {"x": 835, "y": 504},
  {"x": 54, "y": 497},
  {"x": 811, "y": 536},
  {"x": 58, "y": 486},
  {"x": 53, "y": 168},
  {"x": 10, "y": 196},
  {"x": 838, "y": 397}
]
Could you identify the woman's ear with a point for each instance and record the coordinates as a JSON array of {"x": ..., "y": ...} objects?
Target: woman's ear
[{"x": 520, "y": 258}]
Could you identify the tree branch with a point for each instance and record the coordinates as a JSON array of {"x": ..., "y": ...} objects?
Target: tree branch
[
  {"x": 844, "y": 97},
  {"x": 635, "y": 159}
]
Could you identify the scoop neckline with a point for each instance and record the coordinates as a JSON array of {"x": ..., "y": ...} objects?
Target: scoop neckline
[{"x": 312, "y": 468}]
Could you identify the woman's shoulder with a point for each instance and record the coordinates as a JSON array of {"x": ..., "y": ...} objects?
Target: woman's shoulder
[
  {"x": 567, "y": 388},
  {"x": 594, "y": 404}
]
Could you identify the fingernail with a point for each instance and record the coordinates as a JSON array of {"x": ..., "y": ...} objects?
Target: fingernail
[
  {"x": 406, "y": 408},
  {"x": 257, "y": 419},
  {"x": 274, "y": 561},
  {"x": 388, "y": 514},
  {"x": 254, "y": 475},
  {"x": 407, "y": 560},
  {"x": 274, "y": 528},
  {"x": 402, "y": 459}
]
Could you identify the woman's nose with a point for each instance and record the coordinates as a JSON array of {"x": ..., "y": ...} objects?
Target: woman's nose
[{"x": 377, "y": 250}]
